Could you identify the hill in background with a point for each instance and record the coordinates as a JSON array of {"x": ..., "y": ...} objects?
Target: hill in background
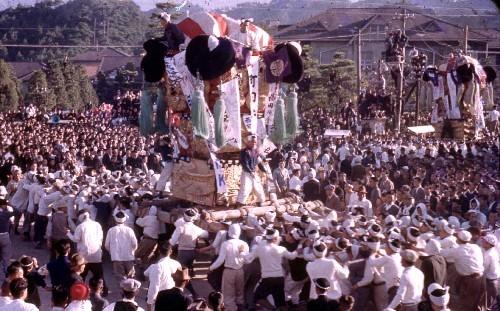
[{"x": 78, "y": 22}]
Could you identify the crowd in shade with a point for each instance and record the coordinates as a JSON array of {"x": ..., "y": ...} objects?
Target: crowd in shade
[{"x": 406, "y": 223}]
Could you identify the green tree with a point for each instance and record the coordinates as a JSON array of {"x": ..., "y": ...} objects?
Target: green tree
[
  {"x": 155, "y": 29},
  {"x": 10, "y": 94},
  {"x": 339, "y": 79},
  {"x": 39, "y": 94},
  {"x": 72, "y": 84},
  {"x": 117, "y": 22},
  {"x": 87, "y": 92},
  {"x": 316, "y": 97},
  {"x": 57, "y": 83}
]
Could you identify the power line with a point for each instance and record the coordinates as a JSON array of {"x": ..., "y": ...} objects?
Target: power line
[{"x": 68, "y": 46}]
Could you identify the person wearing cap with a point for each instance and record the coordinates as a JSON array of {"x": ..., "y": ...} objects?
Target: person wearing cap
[
  {"x": 172, "y": 37},
  {"x": 469, "y": 264},
  {"x": 56, "y": 228},
  {"x": 249, "y": 180},
  {"x": 232, "y": 255},
  {"x": 160, "y": 273},
  {"x": 328, "y": 268},
  {"x": 411, "y": 284},
  {"x": 185, "y": 236},
  {"x": 130, "y": 288},
  {"x": 322, "y": 302},
  {"x": 19, "y": 291},
  {"x": 270, "y": 255},
  {"x": 439, "y": 297},
  {"x": 383, "y": 271},
  {"x": 175, "y": 298},
  {"x": 432, "y": 264},
  {"x": 491, "y": 270},
  {"x": 297, "y": 276},
  {"x": 121, "y": 243},
  {"x": 88, "y": 237}
]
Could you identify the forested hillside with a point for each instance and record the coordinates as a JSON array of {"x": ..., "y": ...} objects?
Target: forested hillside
[{"x": 77, "y": 22}]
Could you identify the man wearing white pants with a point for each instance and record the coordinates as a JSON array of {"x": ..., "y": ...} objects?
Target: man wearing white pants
[
  {"x": 249, "y": 181},
  {"x": 232, "y": 254}
]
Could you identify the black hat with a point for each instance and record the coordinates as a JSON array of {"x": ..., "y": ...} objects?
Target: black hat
[
  {"x": 210, "y": 56},
  {"x": 322, "y": 283},
  {"x": 296, "y": 63}
]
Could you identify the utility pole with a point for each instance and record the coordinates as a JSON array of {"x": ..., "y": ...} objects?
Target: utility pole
[
  {"x": 401, "y": 65},
  {"x": 466, "y": 41},
  {"x": 359, "y": 61},
  {"x": 95, "y": 35}
]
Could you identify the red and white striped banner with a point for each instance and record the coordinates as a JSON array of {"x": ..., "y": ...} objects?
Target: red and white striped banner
[{"x": 219, "y": 25}]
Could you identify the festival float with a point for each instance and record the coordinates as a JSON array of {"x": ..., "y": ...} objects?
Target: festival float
[
  {"x": 218, "y": 91},
  {"x": 459, "y": 90}
]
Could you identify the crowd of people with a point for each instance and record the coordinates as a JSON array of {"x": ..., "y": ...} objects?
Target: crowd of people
[{"x": 406, "y": 223}]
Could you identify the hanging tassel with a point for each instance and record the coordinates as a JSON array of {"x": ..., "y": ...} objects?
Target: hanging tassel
[
  {"x": 292, "y": 114},
  {"x": 199, "y": 116},
  {"x": 219, "y": 112},
  {"x": 279, "y": 133}
]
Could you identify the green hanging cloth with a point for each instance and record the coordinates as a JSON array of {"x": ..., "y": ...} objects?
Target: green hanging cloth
[
  {"x": 279, "y": 133},
  {"x": 219, "y": 112},
  {"x": 292, "y": 114},
  {"x": 199, "y": 116}
]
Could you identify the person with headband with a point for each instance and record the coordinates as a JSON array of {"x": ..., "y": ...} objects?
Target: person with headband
[
  {"x": 249, "y": 180},
  {"x": 172, "y": 35}
]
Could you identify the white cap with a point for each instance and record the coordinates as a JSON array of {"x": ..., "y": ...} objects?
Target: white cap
[
  {"x": 319, "y": 249},
  {"x": 234, "y": 231},
  {"x": 464, "y": 236},
  {"x": 438, "y": 295}
]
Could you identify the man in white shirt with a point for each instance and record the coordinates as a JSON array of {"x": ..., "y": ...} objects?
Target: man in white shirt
[
  {"x": 232, "y": 254},
  {"x": 326, "y": 268},
  {"x": 469, "y": 265},
  {"x": 411, "y": 284},
  {"x": 88, "y": 237},
  {"x": 271, "y": 256},
  {"x": 44, "y": 211},
  {"x": 185, "y": 237},
  {"x": 295, "y": 184},
  {"x": 147, "y": 244},
  {"x": 491, "y": 269},
  {"x": 361, "y": 201},
  {"x": 160, "y": 274},
  {"x": 19, "y": 291},
  {"x": 383, "y": 271},
  {"x": 121, "y": 243}
]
